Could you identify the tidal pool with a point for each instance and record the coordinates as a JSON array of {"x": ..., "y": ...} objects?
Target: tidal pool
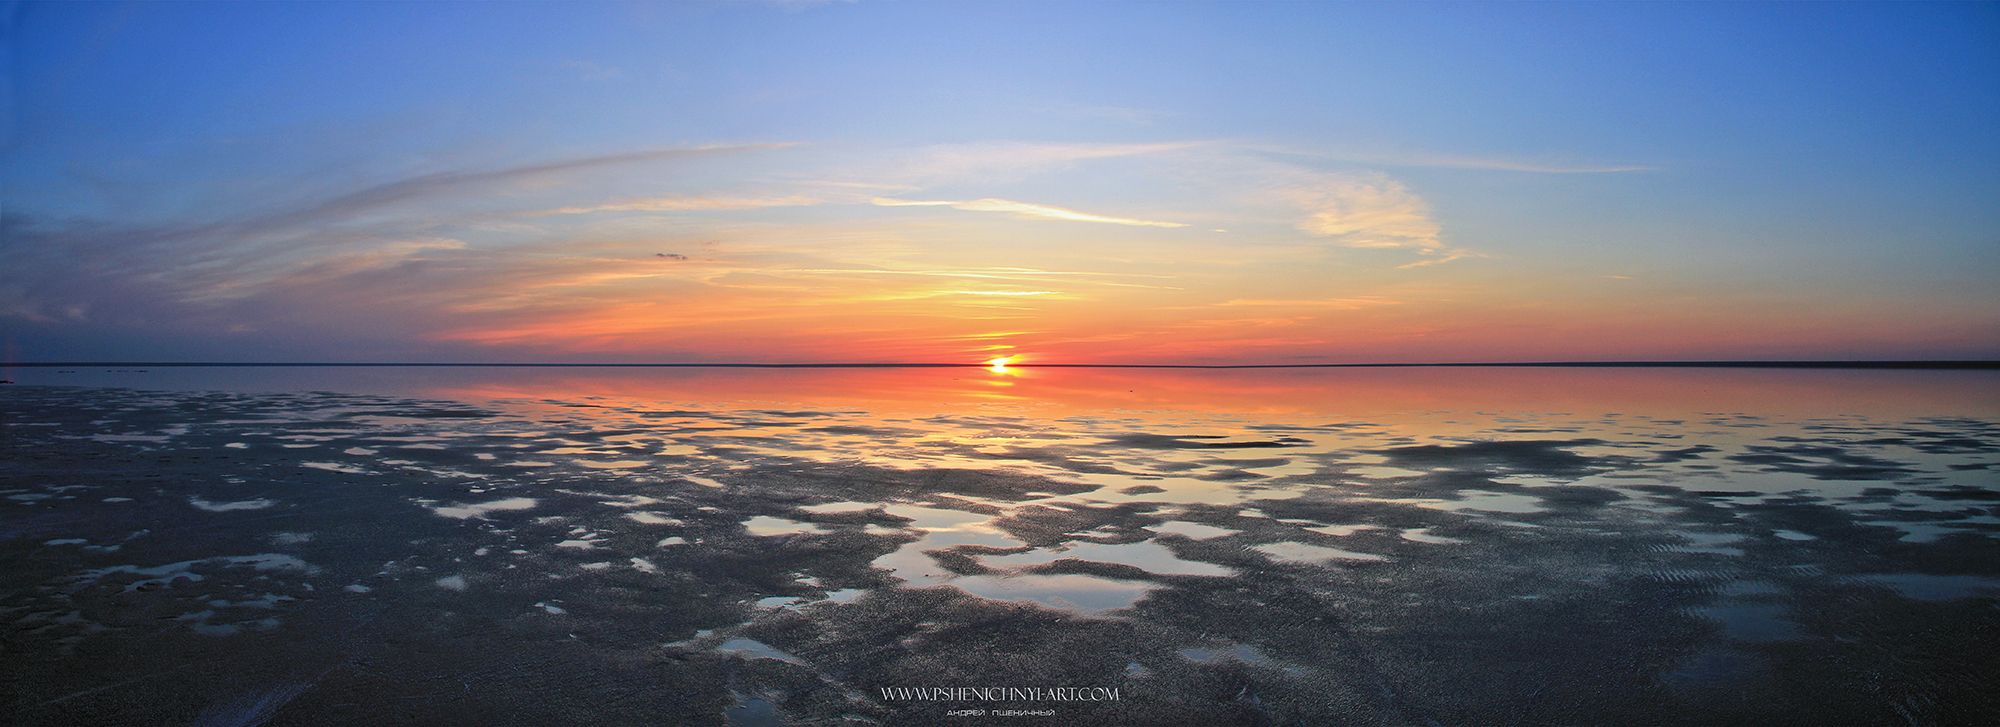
[{"x": 1210, "y": 548}]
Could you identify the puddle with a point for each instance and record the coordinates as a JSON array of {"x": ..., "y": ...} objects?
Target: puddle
[
  {"x": 918, "y": 569},
  {"x": 1753, "y": 622},
  {"x": 1123, "y": 488},
  {"x": 941, "y": 520},
  {"x": 754, "y": 649},
  {"x": 833, "y": 507},
  {"x": 1149, "y": 557},
  {"x": 257, "y": 504},
  {"x": 753, "y": 713},
  {"x": 479, "y": 510},
  {"x": 1197, "y": 531},
  {"x": 1303, "y": 553},
  {"x": 1425, "y": 536},
  {"x": 1938, "y": 588},
  {"x": 765, "y": 525},
  {"x": 1490, "y": 502},
  {"x": 1082, "y": 594},
  {"x": 1374, "y": 472},
  {"x": 621, "y": 464},
  {"x": 1922, "y": 532},
  {"x": 844, "y": 595}
]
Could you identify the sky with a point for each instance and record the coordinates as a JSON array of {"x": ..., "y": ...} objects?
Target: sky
[{"x": 1102, "y": 182}]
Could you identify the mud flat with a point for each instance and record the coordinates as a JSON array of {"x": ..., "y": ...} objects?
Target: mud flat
[{"x": 316, "y": 558}]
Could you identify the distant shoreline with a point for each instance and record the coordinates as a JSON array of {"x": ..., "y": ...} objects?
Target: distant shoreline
[{"x": 1537, "y": 364}]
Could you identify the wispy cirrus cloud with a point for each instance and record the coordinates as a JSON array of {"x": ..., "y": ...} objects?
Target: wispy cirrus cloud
[
  {"x": 1370, "y": 211},
  {"x": 675, "y": 204},
  {"x": 1325, "y": 303},
  {"x": 1445, "y": 256},
  {"x": 1024, "y": 209},
  {"x": 83, "y": 271},
  {"x": 1411, "y": 158},
  {"x": 988, "y": 159},
  {"x": 538, "y": 256},
  {"x": 1498, "y": 164},
  {"x": 1001, "y": 274},
  {"x": 441, "y": 182}
]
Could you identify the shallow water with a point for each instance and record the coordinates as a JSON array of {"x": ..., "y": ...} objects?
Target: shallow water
[{"x": 522, "y": 546}]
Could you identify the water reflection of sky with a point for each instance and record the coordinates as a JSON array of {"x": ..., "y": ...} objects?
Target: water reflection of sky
[{"x": 1726, "y": 525}]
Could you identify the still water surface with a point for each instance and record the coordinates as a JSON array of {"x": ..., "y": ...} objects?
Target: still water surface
[{"x": 714, "y": 546}]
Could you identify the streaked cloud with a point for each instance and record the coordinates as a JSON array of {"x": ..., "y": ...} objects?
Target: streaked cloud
[
  {"x": 535, "y": 258},
  {"x": 673, "y": 204},
  {"x": 426, "y": 184},
  {"x": 1024, "y": 209},
  {"x": 373, "y": 237},
  {"x": 349, "y": 260},
  {"x": 1411, "y": 158},
  {"x": 1008, "y": 158},
  {"x": 1447, "y": 256},
  {"x": 1009, "y": 274},
  {"x": 1498, "y": 164},
  {"x": 1331, "y": 303}
]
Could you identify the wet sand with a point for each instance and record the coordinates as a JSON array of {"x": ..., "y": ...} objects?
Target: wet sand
[{"x": 313, "y": 558}]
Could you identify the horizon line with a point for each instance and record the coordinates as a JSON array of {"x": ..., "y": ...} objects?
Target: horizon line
[{"x": 1828, "y": 364}]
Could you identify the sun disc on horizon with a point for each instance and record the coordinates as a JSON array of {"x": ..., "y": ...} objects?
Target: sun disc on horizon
[{"x": 999, "y": 365}]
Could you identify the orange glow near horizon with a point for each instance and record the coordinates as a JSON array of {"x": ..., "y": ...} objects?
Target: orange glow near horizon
[
  {"x": 1343, "y": 394},
  {"x": 752, "y": 308}
]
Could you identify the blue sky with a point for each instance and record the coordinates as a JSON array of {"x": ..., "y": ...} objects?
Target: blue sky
[{"x": 1252, "y": 182}]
